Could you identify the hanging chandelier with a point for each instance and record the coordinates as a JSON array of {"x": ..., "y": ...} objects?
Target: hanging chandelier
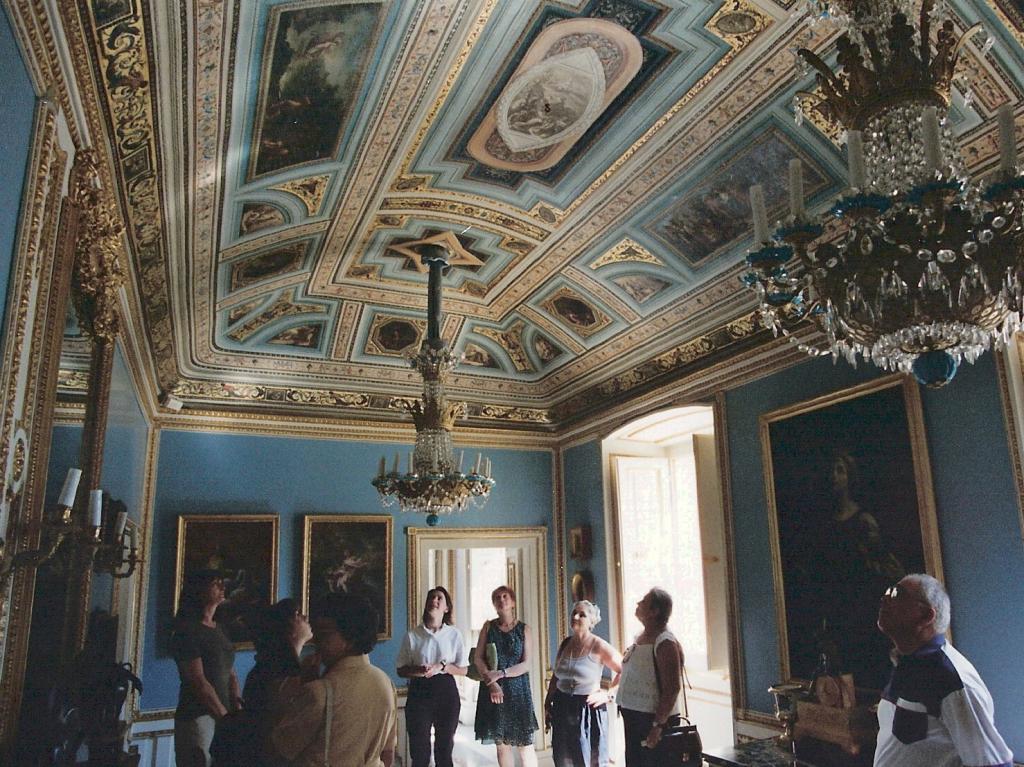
[
  {"x": 433, "y": 483},
  {"x": 917, "y": 267}
]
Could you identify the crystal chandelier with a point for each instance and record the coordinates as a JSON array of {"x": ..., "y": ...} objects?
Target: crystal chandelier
[
  {"x": 434, "y": 484},
  {"x": 916, "y": 267}
]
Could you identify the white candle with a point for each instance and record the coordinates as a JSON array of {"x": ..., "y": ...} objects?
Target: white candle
[
  {"x": 132, "y": 543},
  {"x": 796, "y": 188},
  {"x": 1007, "y": 140},
  {"x": 487, "y": 472},
  {"x": 122, "y": 520},
  {"x": 70, "y": 489},
  {"x": 462, "y": 454},
  {"x": 394, "y": 469},
  {"x": 855, "y": 159},
  {"x": 383, "y": 467},
  {"x": 410, "y": 463},
  {"x": 930, "y": 136},
  {"x": 476, "y": 469},
  {"x": 760, "y": 215},
  {"x": 95, "y": 508}
]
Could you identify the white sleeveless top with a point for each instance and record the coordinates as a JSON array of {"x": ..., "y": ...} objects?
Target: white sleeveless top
[{"x": 638, "y": 685}]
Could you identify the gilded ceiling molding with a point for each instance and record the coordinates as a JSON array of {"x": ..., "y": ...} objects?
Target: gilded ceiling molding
[
  {"x": 1012, "y": 17},
  {"x": 627, "y": 250},
  {"x": 282, "y": 424},
  {"x": 310, "y": 190},
  {"x": 468, "y": 212}
]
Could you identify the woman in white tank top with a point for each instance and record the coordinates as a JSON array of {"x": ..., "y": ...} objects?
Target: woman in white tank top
[
  {"x": 576, "y": 708},
  {"x": 650, "y": 681}
]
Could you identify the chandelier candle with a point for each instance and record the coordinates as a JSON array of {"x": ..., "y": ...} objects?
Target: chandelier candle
[
  {"x": 855, "y": 159},
  {"x": 95, "y": 508},
  {"x": 70, "y": 488},
  {"x": 930, "y": 134}
]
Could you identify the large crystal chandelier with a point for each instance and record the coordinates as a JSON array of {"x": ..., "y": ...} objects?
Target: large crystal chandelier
[
  {"x": 916, "y": 267},
  {"x": 433, "y": 483}
]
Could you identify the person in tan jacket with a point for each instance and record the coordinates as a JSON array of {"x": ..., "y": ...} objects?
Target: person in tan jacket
[{"x": 363, "y": 720}]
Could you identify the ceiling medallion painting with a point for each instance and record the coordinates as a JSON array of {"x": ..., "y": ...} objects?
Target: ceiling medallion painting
[
  {"x": 573, "y": 70},
  {"x": 477, "y": 356},
  {"x": 265, "y": 266},
  {"x": 575, "y": 312},
  {"x": 626, "y": 251},
  {"x": 392, "y": 336},
  {"x": 640, "y": 287},
  {"x": 713, "y": 215},
  {"x": 570, "y": 77},
  {"x": 257, "y": 216},
  {"x": 315, "y": 61},
  {"x": 285, "y": 305}
]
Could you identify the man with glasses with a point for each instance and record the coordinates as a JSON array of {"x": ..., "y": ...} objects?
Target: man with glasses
[{"x": 935, "y": 711}]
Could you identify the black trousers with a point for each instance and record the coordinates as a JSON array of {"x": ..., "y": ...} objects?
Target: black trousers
[
  {"x": 636, "y": 725},
  {"x": 432, "y": 703}
]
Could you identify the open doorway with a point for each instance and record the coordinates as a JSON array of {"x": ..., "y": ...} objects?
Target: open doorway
[
  {"x": 471, "y": 564},
  {"x": 668, "y": 530}
]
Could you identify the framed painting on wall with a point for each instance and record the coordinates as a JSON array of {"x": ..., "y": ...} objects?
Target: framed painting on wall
[
  {"x": 351, "y": 554},
  {"x": 851, "y": 511},
  {"x": 243, "y": 547}
]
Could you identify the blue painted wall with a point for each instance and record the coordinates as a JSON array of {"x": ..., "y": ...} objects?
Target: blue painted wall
[
  {"x": 976, "y": 503},
  {"x": 124, "y": 460},
  {"x": 204, "y": 473},
  {"x": 18, "y": 106},
  {"x": 584, "y": 505}
]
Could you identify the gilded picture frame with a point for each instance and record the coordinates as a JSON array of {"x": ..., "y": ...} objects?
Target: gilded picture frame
[
  {"x": 851, "y": 510},
  {"x": 244, "y": 548},
  {"x": 349, "y": 553}
]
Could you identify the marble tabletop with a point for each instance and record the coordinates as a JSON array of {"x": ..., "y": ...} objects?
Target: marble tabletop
[{"x": 757, "y": 753}]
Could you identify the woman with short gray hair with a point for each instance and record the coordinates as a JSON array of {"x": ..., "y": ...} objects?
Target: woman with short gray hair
[{"x": 576, "y": 708}]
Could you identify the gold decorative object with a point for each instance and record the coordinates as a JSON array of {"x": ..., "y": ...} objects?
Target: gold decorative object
[
  {"x": 917, "y": 267},
  {"x": 434, "y": 483}
]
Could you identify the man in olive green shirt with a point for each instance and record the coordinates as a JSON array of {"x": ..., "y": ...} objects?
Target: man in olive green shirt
[{"x": 364, "y": 713}]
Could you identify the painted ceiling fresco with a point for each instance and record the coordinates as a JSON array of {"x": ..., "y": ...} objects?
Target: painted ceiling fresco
[{"x": 587, "y": 163}]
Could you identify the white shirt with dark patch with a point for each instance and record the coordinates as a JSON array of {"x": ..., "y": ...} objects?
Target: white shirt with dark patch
[
  {"x": 937, "y": 712},
  {"x": 422, "y": 647}
]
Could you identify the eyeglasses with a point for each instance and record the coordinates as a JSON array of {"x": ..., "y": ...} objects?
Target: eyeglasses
[{"x": 895, "y": 592}]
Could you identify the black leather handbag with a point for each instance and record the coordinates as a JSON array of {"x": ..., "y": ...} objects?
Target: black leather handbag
[{"x": 680, "y": 744}]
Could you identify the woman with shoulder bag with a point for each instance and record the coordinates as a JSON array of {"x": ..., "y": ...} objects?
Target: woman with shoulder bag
[{"x": 650, "y": 681}]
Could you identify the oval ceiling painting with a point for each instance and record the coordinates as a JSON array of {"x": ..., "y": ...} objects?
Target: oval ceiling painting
[{"x": 571, "y": 73}]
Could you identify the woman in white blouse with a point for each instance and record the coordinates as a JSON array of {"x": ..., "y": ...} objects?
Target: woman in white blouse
[{"x": 431, "y": 655}]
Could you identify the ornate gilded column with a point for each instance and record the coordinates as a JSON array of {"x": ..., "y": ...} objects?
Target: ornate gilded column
[{"x": 96, "y": 280}]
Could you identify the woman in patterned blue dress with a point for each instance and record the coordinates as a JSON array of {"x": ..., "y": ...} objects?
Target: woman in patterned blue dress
[{"x": 504, "y": 706}]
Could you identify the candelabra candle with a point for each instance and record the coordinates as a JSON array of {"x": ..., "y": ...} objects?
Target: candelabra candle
[
  {"x": 122, "y": 520},
  {"x": 70, "y": 488},
  {"x": 1007, "y": 141},
  {"x": 476, "y": 468},
  {"x": 855, "y": 158},
  {"x": 394, "y": 468},
  {"x": 760, "y": 215},
  {"x": 796, "y": 188},
  {"x": 132, "y": 543},
  {"x": 95, "y": 508},
  {"x": 383, "y": 468}
]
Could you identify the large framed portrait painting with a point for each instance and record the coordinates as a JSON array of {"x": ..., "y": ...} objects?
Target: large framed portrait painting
[
  {"x": 351, "y": 554},
  {"x": 244, "y": 548},
  {"x": 851, "y": 511}
]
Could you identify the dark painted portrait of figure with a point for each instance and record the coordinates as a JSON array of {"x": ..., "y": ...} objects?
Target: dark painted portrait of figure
[
  {"x": 849, "y": 512},
  {"x": 478, "y": 357},
  {"x": 396, "y": 335},
  {"x": 349, "y": 554},
  {"x": 263, "y": 266},
  {"x": 575, "y": 311},
  {"x": 257, "y": 216},
  {"x": 302, "y": 336}
]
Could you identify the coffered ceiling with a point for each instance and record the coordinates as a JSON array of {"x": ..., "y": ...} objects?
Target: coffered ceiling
[{"x": 587, "y": 163}]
